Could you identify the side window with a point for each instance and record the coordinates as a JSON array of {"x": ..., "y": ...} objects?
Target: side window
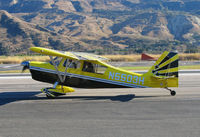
[
  {"x": 71, "y": 63},
  {"x": 93, "y": 68},
  {"x": 100, "y": 69}
]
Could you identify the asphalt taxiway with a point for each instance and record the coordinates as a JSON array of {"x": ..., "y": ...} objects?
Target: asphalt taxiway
[{"x": 24, "y": 111}]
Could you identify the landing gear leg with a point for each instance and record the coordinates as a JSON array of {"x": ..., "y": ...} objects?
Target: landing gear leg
[{"x": 172, "y": 92}]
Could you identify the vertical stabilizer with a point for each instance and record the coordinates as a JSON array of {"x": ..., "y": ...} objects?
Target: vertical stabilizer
[{"x": 166, "y": 66}]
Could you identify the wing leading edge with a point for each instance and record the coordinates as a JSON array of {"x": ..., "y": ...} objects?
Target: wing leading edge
[{"x": 71, "y": 55}]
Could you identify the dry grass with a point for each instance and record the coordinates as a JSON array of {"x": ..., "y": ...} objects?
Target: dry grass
[
  {"x": 128, "y": 58},
  {"x": 137, "y": 57},
  {"x": 19, "y": 59},
  {"x": 191, "y": 56},
  {"x": 124, "y": 58}
]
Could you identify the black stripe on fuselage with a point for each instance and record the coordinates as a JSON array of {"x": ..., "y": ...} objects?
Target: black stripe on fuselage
[{"x": 71, "y": 81}]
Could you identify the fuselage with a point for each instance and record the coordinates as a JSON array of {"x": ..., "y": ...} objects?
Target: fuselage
[
  {"x": 95, "y": 74},
  {"x": 84, "y": 70},
  {"x": 103, "y": 75}
]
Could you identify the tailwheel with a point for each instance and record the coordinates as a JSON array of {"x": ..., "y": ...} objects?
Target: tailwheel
[
  {"x": 49, "y": 96},
  {"x": 173, "y": 93}
]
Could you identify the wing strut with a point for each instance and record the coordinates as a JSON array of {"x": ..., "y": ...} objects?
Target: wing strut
[
  {"x": 62, "y": 79},
  {"x": 57, "y": 89}
]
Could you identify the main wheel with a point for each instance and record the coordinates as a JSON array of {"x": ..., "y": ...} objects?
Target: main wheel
[
  {"x": 173, "y": 93},
  {"x": 49, "y": 97}
]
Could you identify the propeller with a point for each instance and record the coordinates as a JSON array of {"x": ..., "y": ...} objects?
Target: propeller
[{"x": 25, "y": 65}]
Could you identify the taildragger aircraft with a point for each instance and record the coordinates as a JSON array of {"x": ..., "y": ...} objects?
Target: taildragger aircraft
[{"x": 84, "y": 70}]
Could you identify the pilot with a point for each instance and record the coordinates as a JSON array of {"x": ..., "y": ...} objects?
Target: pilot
[
  {"x": 88, "y": 67},
  {"x": 73, "y": 64}
]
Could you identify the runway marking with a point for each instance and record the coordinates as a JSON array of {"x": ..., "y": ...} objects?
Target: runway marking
[
  {"x": 17, "y": 77},
  {"x": 10, "y": 66}
]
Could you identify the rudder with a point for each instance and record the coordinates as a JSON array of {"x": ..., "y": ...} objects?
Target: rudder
[{"x": 166, "y": 66}]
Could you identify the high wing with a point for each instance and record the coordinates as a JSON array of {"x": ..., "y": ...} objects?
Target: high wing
[
  {"x": 51, "y": 52},
  {"x": 88, "y": 56},
  {"x": 70, "y": 55}
]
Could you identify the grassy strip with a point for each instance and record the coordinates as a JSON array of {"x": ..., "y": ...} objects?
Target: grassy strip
[
  {"x": 189, "y": 67},
  {"x": 148, "y": 67}
]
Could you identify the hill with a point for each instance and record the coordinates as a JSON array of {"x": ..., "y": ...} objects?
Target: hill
[{"x": 101, "y": 26}]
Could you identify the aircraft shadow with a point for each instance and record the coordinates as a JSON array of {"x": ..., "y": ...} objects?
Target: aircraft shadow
[
  {"x": 9, "y": 97},
  {"x": 120, "y": 98}
]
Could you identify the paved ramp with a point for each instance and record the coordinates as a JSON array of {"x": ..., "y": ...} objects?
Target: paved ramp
[{"x": 24, "y": 111}]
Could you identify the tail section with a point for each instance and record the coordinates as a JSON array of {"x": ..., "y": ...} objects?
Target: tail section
[
  {"x": 164, "y": 73},
  {"x": 166, "y": 66}
]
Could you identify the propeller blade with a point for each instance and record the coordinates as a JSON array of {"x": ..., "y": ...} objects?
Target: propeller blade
[
  {"x": 24, "y": 68},
  {"x": 25, "y": 65}
]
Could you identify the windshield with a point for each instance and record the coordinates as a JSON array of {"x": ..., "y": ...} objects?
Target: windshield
[
  {"x": 57, "y": 61},
  {"x": 71, "y": 63}
]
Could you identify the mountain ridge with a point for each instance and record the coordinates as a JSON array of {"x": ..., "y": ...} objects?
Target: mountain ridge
[{"x": 106, "y": 26}]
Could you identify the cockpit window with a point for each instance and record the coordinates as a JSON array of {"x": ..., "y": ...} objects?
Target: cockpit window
[
  {"x": 93, "y": 68},
  {"x": 57, "y": 61},
  {"x": 71, "y": 64},
  {"x": 100, "y": 69}
]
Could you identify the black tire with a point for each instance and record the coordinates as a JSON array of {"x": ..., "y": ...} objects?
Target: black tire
[
  {"x": 173, "y": 93},
  {"x": 49, "y": 97}
]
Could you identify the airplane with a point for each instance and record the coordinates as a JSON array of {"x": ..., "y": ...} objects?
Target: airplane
[{"x": 84, "y": 70}]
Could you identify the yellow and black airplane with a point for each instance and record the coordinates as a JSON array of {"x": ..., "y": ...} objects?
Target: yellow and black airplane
[{"x": 84, "y": 70}]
